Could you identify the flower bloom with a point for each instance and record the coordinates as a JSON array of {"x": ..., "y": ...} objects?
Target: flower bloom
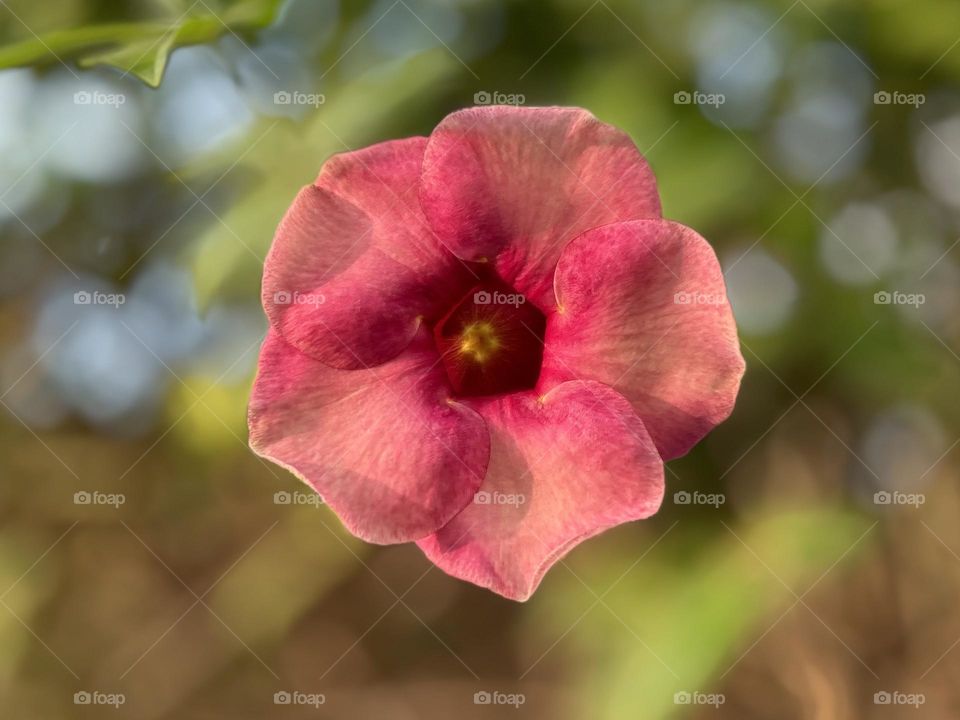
[{"x": 488, "y": 341}]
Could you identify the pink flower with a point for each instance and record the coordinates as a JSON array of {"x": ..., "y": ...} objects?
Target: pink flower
[{"x": 488, "y": 341}]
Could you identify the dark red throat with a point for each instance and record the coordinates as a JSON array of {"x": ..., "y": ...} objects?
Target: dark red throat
[{"x": 491, "y": 341}]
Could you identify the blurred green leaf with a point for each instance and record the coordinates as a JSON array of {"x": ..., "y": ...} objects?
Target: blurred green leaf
[
  {"x": 689, "y": 622},
  {"x": 146, "y": 59},
  {"x": 140, "y": 49}
]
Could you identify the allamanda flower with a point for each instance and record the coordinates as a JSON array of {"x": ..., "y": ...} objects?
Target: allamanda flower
[{"x": 489, "y": 341}]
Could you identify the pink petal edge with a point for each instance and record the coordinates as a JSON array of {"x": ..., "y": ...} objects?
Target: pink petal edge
[
  {"x": 584, "y": 463},
  {"x": 511, "y": 185},
  {"x": 387, "y": 449},
  {"x": 643, "y": 308},
  {"x": 354, "y": 264}
]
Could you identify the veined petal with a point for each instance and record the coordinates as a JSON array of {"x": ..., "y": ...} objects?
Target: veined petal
[
  {"x": 513, "y": 185},
  {"x": 354, "y": 266},
  {"x": 563, "y": 467},
  {"x": 387, "y": 449},
  {"x": 644, "y": 309}
]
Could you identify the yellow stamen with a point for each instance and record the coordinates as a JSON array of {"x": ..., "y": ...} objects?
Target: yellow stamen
[{"x": 479, "y": 341}]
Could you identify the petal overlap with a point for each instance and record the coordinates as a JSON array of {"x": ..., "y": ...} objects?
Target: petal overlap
[
  {"x": 563, "y": 467},
  {"x": 354, "y": 267},
  {"x": 386, "y": 448},
  {"x": 644, "y": 309},
  {"x": 511, "y": 185}
]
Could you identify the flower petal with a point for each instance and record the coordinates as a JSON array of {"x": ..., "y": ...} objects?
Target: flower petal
[
  {"x": 385, "y": 447},
  {"x": 512, "y": 185},
  {"x": 644, "y": 309},
  {"x": 580, "y": 460},
  {"x": 354, "y": 264}
]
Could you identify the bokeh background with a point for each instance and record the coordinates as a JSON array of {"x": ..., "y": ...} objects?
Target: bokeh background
[{"x": 145, "y": 553}]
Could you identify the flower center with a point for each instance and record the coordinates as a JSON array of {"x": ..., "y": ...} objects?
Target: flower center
[
  {"x": 491, "y": 342},
  {"x": 478, "y": 341}
]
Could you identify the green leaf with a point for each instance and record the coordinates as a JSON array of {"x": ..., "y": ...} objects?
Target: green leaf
[
  {"x": 145, "y": 59},
  {"x": 140, "y": 49}
]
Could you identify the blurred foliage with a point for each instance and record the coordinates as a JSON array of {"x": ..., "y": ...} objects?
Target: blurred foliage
[
  {"x": 141, "y": 48},
  {"x": 691, "y": 630}
]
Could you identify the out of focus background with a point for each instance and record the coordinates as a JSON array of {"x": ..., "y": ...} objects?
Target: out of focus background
[{"x": 806, "y": 562}]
